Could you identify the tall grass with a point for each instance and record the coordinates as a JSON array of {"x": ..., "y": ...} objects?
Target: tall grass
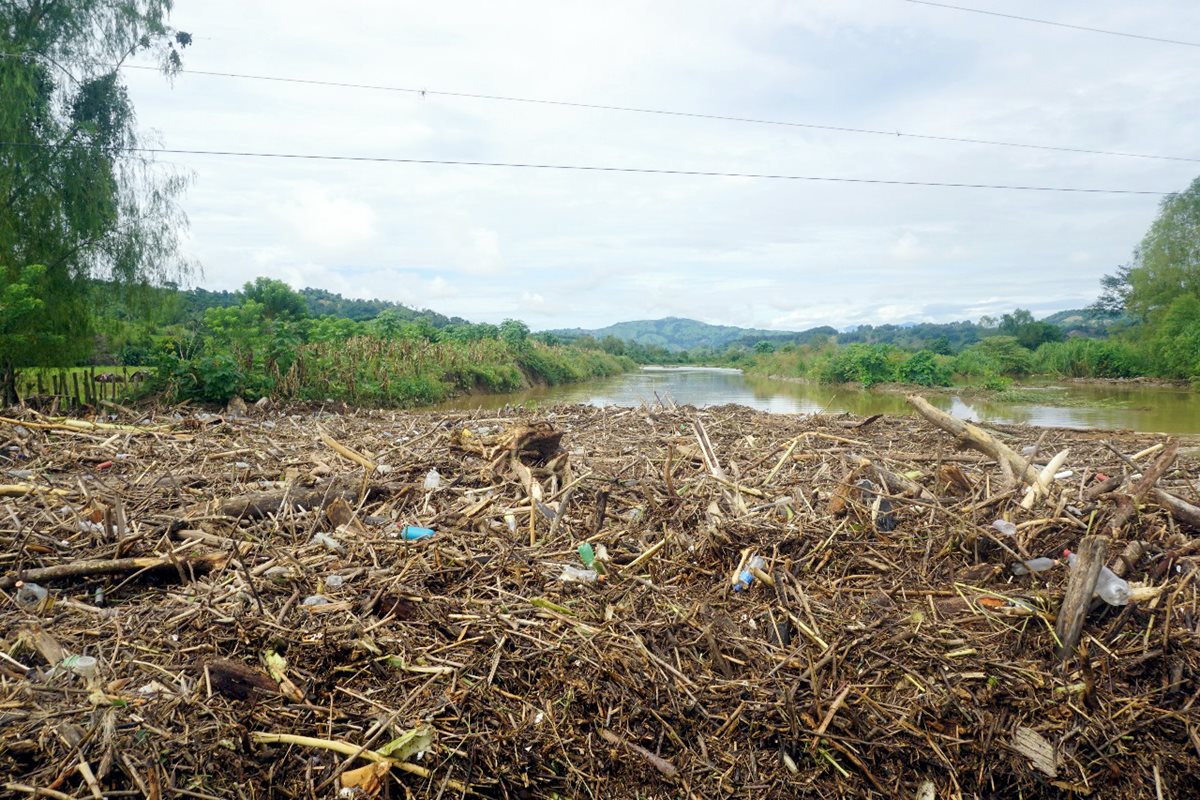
[{"x": 1090, "y": 358}]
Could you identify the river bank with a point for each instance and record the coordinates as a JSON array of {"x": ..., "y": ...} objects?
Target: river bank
[{"x": 274, "y": 617}]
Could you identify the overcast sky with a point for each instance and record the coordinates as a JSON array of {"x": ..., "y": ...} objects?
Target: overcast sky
[{"x": 588, "y": 249}]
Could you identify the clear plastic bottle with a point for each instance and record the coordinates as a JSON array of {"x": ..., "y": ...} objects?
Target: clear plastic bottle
[
  {"x": 746, "y": 576},
  {"x": 572, "y": 574},
  {"x": 1032, "y": 565},
  {"x": 1005, "y": 527},
  {"x": 433, "y": 480},
  {"x": 1110, "y": 587}
]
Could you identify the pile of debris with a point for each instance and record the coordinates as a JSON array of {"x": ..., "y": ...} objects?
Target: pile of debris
[{"x": 638, "y": 602}]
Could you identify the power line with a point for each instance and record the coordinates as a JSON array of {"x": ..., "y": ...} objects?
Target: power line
[
  {"x": 1055, "y": 24},
  {"x": 662, "y": 112},
  {"x": 672, "y": 113},
  {"x": 630, "y": 170}
]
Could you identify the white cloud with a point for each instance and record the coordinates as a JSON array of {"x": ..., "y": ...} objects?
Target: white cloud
[
  {"x": 599, "y": 247},
  {"x": 317, "y": 216},
  {"x": 909, "y": 248}
]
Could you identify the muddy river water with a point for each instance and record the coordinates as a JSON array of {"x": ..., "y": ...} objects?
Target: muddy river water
[{"x": 1132, "y": 406}]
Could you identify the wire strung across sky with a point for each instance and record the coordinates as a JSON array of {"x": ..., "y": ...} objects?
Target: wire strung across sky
[
  {"x": 423, "y": 92},
  {"x": 1159, "y": 39},
  {"x": 670, "y": 113},
  {"x": 632, "y": 170}
]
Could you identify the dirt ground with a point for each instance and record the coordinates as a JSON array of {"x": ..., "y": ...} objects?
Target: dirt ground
[{"x": 263, "y": 625}]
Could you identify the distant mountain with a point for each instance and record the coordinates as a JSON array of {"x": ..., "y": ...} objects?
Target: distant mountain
[
  {"x": 1084, "y": 321},
  {"x": 677, "y": 333}
]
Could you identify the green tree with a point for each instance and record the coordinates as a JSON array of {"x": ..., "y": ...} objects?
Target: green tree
[
  {"x": 1114, "y": 293},
  {"x": 279, "y": 301},
  {"x": 514, "y": 333},
  {"x": 1166, "y": 264},
  {"x": 25, "y": 339},
  {"x": 75, "y": 193},
  {"x": 763, "y": 347}
]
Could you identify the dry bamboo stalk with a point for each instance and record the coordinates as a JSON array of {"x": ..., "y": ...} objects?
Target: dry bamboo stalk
[
  {"x": 347, "y": 452},
  {"x": 1046, "y": 477}
]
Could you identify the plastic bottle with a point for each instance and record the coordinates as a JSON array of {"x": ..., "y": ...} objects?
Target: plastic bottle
[
  {"x": 30, "y": 594},
  {"x": 433, "y": 480},
  {"x": 1005, "y": 527},
  {"x": 576, "y": 575},
  {"x": 1032, "y": 565},
  {"x": 412, "y": 533},
  {"x": 1110, "y": 587},
  {"x": 327, "y": 540},
  {"x": 83, "y": 666},
  {"x": 746, "y": 576}
]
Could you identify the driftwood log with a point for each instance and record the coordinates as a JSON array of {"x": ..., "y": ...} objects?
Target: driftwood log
[
  {"x": 976, "y": 438},
  {"x": 1182, "y": 510},
  {"x": 257, "y": 505},
  {"x": 1080, "y": 586},
  {"x": 1127, "y": 507}
]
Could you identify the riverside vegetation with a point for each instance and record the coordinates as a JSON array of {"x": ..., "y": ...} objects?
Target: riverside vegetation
[{"x": 267, "y": 345}]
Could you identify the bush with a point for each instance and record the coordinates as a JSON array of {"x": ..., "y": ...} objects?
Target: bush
[
  {"x": 995, "y": 355},
  {"x": 1175, "y": 343},
  {"x": 924, "y": 369},
  {"x": 868, "y": 364}
]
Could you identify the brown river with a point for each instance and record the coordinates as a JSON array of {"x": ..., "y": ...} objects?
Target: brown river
[{"x": 1110, "y": 406}]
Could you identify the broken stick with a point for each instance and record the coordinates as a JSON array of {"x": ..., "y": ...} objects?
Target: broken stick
[{"x": 115, "y": 566}]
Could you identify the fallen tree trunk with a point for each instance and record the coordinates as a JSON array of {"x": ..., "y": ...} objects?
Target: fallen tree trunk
[{"x": 976, "y": 438}]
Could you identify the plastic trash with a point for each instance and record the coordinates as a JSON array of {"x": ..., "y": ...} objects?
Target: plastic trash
[
  {"x": 433, "y": 480},
  {"x": 511, "y": 521},
  {"x": 884, "y": 520},
  {"x": 83, "y": 666},
  {"x": 30, "y": 594},
  {"x": 315, "y": 600},
  {"x": 746, "y": 576},
  {"x": 1005, "y": 527},
  {"x": 1032, "y": 565},
  {"x": 576, "y": 575},
  {"x": 1110, "y": 587},
  {"x": 587, "y": 554},
  {"x": 412, "y": 533},
  {"x": 243, "y": 465},
  {"x": 335, "y": 581},
  {"x": 327, "y": 540}
]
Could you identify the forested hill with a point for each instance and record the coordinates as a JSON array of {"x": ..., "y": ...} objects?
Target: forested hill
[
  {"x": 319, "y": 303},
  {"x": 677, "y": 333}
]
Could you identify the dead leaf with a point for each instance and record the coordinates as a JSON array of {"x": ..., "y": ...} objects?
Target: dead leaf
[{"x": 368, "y": 779}]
